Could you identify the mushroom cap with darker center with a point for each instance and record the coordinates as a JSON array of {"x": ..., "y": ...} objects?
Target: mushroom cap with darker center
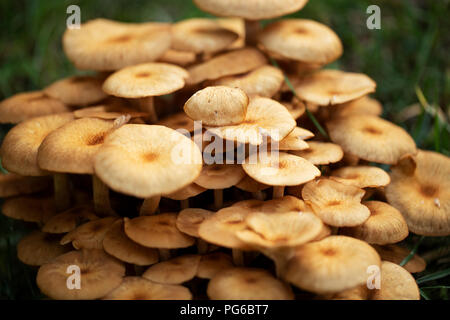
[
  {"x": 361, "y": 176},
  {"x": 89, "y": 235}
]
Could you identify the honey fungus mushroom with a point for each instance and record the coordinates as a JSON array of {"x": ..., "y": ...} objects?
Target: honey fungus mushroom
[
  {"x": 321, "y": 153},
  {"x": 396, "y": 254},
  {"x": 12, "y": 184},
  {"x": 361, "y": 176},
  {"x": 89, "y": 235},
  {"x": 69, "y": 220},
  {"x": 174, "y": 271}
]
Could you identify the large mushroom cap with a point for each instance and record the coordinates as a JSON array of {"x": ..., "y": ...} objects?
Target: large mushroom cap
[
  {"x": 89, "y": 235},
  {"x": 106, "y": 45},
  {"x": 70, "y": 219},
  {"x": 321, "y": 153},
  {"x": 362, "y": 176},
  {"x": 147, "y": 160},
  {"x": 333, "y": 264},
  {"x": 220, "y": 176},
  {"x": 370, "y": 138},
  {"x": 250, "y": 9},
  {"x": 189, "y": 220},
  {"x": 420, "y": 190},
  {"x": 174, "y": 271},
  {"x": 302, "y": 40},
  {"x": 99, "y": 274},
  {"x": 247, "y": 284},
  {"x": 12, "y": 184}
]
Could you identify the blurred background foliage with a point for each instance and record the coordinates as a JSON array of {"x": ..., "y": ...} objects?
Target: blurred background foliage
[{"x": 407, "y": 57}]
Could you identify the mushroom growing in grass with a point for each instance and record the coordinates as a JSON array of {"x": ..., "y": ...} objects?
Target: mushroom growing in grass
[
  {"x": 396, "y": 254},
  {"x": 12, "y": 184},
  {"x": 174, "y": 271},
  {"x": 185, "y": 193},
  {"x": 100, "y": 273},
  {"x": 89, "y": 235},
  {"x": 145, "y": 81},
  {"x": 213, "y": 263},
  {"x": 420, "y": 190},
  {"x": 361, "y": 176},
  {"x": 321, "y": 153},
  {"x": 189, "y": 220},
  {"x": 70, "y": 219}
]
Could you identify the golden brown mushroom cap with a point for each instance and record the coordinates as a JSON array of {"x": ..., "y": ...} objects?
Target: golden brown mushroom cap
[
  {"x": 191, "y": 190},
  {"x": 364, "y": 105},
  {"x": 108, "y": 112},
  {"x": 296, "y": 108},
  {"x": 247, "y": 284},
  {"x": 89, "y": 235},
  {"x": 12, "y": 184},
  {"x": 220, "y": 176},
  {"x": 396, "y": 254},
  {"x": 370, "y": 138},
  {"x": 361, "y": 176},
  {"x": 99, "y": 274},
  {"x": 106, "y": 45},
  {"x": 213, "y": 263},
  {"x": 278, "y": 205},
  {"x": 333, "y": 264},
  {"x": 180, "y": 58},
  {"x": 294, "y": 141},
  {"x": 70, "y": 219},
  {"x": 189, "y": 220},
  {"x": 321, "y": 153},
  {"x": 29, "y": 208},
  {"x": 302, "y": 40},
  {"x": 174, "y": 271}
]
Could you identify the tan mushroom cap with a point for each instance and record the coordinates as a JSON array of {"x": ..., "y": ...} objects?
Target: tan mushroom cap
[
  {"x": 251, "y": 9},
  {"x": 145, "y": 80},
  {"x": 118, "y": 245},
  {"x": 264, "y": 117},
  {"x": 135, "y": 160},
  {"x": 12, "y": 184},
  {"x": 108, "y": 112},
  {"x": 370, "y": 138},
  {"x": 247, "y": 284},
  {"x": 89, "y": 235},
  {"x": 99, "y": 273},
  {"x": 213, "y": 263},
  {"x": 137, "y": 288},
  {"x": 191, "y": 190},
  {"x": 27, "y": 105},
  {"x": 70, "y": 219},
  {"x": 107, "y": 45},
  {"x": 220, "y": 176},
  {"x": 236, "y": 25},
  {"x": 330, "y": 87},
  {"x": 385, "y": 225},
  {"x": 278, "y": 205},
  {"x": 180, "y": 58},
  {"x": 178, "y": 121},
  {"x": 294, "y": 141},
  {"x": 217, "y": 106},
  {"x": 336, "y": 204},
  {"x": 264, "y": 81},
  {"x": 296, "y": 108},
  {"x": 333, "y": 264},
  {"x": 227, "y": 64},
  {"x": 420, "y": 190},
  {"x": 77, "y": 90},
  {"x": 19, "y": 149},
  {"x": 361, "y": 176},
  {"x": 174, "y": 271},
  {"x": 321, "y": 153},
  {"x": 189, "y": 220},
  {"x": 201, "y": 36},
  {"x": 251, "y": 185},
  {"x": 281, "y": 169},
  {"x": 396, "y": 254},
  {"x": 38, "y": 248},
  {"x": 71, "y": 148},
  {"x": 364, "y": 105},
  {"x": 302, "y": 40},
  {"x": 158, "y": 231},
  {"x": 396, "y": 284},
  {"x": 29, "y": 208}
]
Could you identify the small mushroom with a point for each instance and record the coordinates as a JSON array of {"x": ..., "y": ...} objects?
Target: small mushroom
[
  {"x": 89, "y": 235},
  {"x": 69, "y": 220},
  {"x": 174, "y": 271},
  {"x": 361, "y": 176},
  {"x": 364, "y": 105},
  {"x": 185, "y": 193},
  {"x": 189, "y": 220},
  {"x": 321, "y": 153},
  {"x": 294, "y": 141}
]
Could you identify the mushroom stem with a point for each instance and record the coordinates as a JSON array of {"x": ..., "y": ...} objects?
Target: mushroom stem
[
  {"x": 148, "y": 105},
  {"x": 61, "y": 191},
  {"x": 149, "y": 206},
  {"x": 258, "y": 195},
  {"x": 252, "y": 29},
  {"x": 184, "y": 204},
  {"x": 101, "y": 197},
  {"x": 218, "y": 198},
  {"x": 164, "y": 254},
  {"x": 278, "y": 192},
  {"x": 238, "y": 257},
  {"x": 202, "y": 246}
]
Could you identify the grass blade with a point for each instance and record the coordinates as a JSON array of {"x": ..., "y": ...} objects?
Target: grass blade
[
  {"x": 412, "y": 252},
  {"x": 424, "y": 295},
  {"x": 434, "y": 276}
]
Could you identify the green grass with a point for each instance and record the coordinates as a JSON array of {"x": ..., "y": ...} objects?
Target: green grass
[{"x": 408, "y": 58}]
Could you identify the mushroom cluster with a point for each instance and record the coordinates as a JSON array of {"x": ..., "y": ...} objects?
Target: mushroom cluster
[{"x": 191, "y": 163}]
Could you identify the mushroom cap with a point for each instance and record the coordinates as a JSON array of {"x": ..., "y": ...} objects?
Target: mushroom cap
[
  {"x": 19, "y": 149},
  {"x": 251, "y": 185},
  {"x": 158, "y": 231},
  {"x": 295, "y": 140},
  {"x": 106, "y": 45},
  {"x": 220, "y": 176},
  {"x": 278, "y": 205},
  {"x": 178, "y": 121},
  {"x": 145, "y": 80},
  {"x": 361, "y": 176},
  {"x": 137, "y": 288},
  {"x": 72, "y": 147},
  {"x": 174, "y": 271},
  {"x": 333, "y": 264},
  {"x": 213, "y": 263},
  {"x": 201, "y": 36},
  {"x": 396, "y": 254},
  {"x": 247, "y": 284},
  {"x": 187, "y": 192},
  {"x": 384, "y": 225},
  {"x": 264, "y": 81},
  {"x": 107, "y": 112},
  {"x": 77, "y": 90},
  {"x": 296, "y": 108},
  {"x": 364, "y": 105},
  {"x": 420, "y": 190},
  {"x": 134, "y": 160},
  {"x": 226, "y": 64},
  {"x": 100, "y": 274},
  {"x": 281, "y": 169},
  {"x": 189, "y": 220},
  {"x": 336, "y": 204},
  {"x": 29, "y": 208},
  {"x": 38, "y": 248},
  {"x": 117, "y": 244},
  {"x": 70, "y": 219},
  {"x": 12, "y": 184},
  {"x": 370, "y": 138},
  {"x": 251, "y": 9},
  {"x": 27, "y": 105},
  {"x": 89, "y": 235},
  {"x": 237, "y": 25},
  {"x": 329, "y": 87},
  {"x": 302, "y": 40},
  {"x": 180, "y": 58},
  {"x": 217, "y": 106},
  {"x": 321, "y": 153},
  {"x": 264, "y": 117}
]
